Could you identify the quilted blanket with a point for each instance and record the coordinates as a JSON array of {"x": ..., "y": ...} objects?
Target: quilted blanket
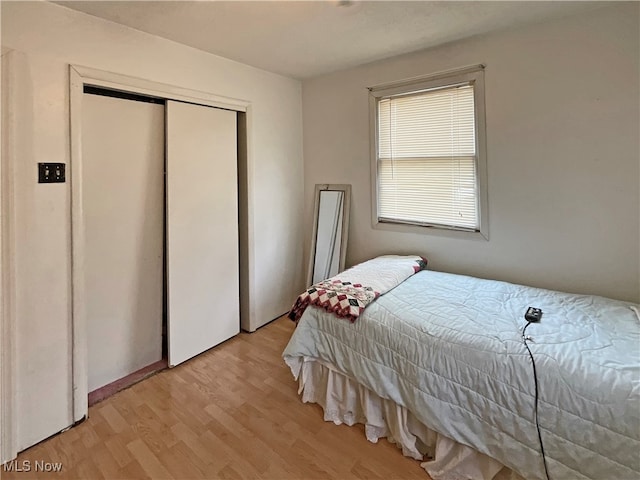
[
  {"x": 348, "y": 293},
  {"x": 449, "y": 349}
]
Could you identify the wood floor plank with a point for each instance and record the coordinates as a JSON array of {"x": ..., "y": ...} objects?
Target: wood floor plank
[
  {"x": 177, "y": 463},
  {"x": 105, "y": 462},
  {"x": 220, "y": 448},
  {"x": 132, "y": 470},
  {"x": 113, "y": 418},
  {"x": 119, "y": 452},
  {"x": 147, "y": 460},
  {"x": 230, "y": 413}
]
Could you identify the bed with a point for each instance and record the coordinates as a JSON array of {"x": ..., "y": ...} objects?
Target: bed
[{"x": 438, "y": 366}]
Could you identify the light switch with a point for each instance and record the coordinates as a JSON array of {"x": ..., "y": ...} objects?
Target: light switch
[{"x": 51, "y": 172}]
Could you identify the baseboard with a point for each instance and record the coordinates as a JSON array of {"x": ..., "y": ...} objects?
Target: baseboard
[{"x": 114, "y": 387}]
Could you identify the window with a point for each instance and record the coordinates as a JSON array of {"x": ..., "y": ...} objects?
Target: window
[{"x": 429, "y": 164}]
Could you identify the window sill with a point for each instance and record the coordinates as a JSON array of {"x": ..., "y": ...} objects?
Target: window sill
[{"x": 438, "y": 230}]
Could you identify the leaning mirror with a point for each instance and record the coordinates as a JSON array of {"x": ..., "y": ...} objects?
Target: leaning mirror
[{"x": 330, "y": 231}]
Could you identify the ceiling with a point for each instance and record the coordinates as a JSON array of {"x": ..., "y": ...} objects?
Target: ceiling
[{"x": 302, "y": 39}]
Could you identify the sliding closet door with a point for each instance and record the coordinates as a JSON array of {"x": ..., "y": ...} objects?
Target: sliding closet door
[
  {"x": 123, "y": 207},
  {"x": 202, "y": 229}
]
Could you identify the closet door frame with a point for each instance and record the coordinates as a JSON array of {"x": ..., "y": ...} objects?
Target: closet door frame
[
  {"x": 80, "y": 76},
  {"x": 10, "y": 83}
]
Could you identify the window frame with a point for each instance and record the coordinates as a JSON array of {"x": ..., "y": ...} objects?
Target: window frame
[{"x": 473, "y": 75}]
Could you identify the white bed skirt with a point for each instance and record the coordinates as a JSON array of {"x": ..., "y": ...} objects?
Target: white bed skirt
[{"x": 346, "y": 401}]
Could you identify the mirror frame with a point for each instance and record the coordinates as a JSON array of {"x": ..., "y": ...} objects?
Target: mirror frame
[{"x": 346, "y": 207}]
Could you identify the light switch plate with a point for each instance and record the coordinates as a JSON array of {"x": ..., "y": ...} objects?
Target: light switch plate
[{"x": 51, "y": 172}]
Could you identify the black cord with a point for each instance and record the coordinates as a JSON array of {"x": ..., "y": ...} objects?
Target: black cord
[{"x": 535, "y": 381}]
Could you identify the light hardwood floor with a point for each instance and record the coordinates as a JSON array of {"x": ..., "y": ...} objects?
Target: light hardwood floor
[{"x": 232, "y": 412}]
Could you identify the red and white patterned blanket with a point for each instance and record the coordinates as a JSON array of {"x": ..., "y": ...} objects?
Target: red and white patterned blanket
[{"x": 348, "y": 293}]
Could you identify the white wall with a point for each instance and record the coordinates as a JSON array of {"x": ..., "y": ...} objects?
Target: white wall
[
  {"x": 47, "y": 38},
  {"x": 562, "y": 103}
]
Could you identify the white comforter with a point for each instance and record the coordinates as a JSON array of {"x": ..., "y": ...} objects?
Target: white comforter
[{"x": 449, "y": 348}]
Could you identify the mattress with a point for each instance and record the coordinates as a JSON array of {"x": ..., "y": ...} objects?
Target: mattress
[{"x": 449, "y": 349}]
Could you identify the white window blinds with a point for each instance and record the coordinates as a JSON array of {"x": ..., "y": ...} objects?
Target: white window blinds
[{"x": 427, "y": 158}]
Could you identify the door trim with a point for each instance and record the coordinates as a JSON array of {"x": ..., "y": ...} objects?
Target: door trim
[
  {"x": 80, "y": 76},
  {"x": 8, "y": 421}
]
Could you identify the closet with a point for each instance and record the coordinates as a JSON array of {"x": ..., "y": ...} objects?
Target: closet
[
  {"x": 160, "y": 213},
  {"x": 202, "y": 229}
]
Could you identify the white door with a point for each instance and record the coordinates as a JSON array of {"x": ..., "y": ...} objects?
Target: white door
[
  {"x": 202, "y": 229},
  {"x": 123, "y": 202}
]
